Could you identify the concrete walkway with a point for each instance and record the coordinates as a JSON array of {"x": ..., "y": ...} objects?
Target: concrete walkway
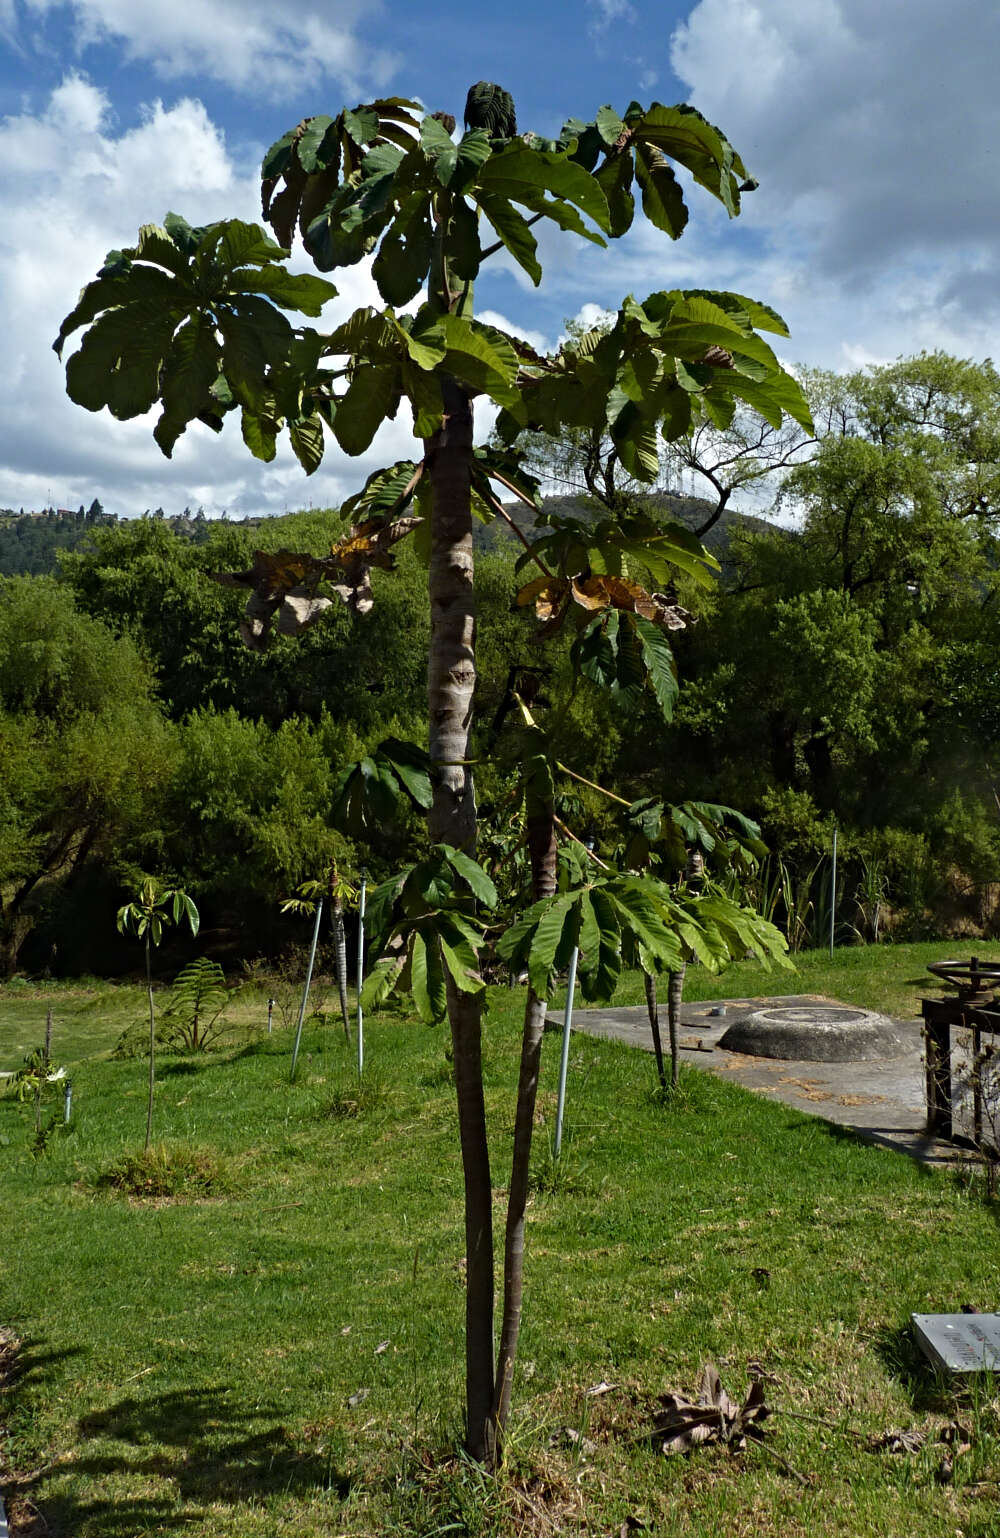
[{"x": 882, "y": 1101}]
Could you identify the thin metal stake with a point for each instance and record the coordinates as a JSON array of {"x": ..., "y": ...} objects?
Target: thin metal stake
[
  {"x": 567, "y": 1023},
  {"x": 67, "y": 1101},
  {"x": 305, "y": 991},
  {"x": 361, "y": 970},
  {"x": 833, "y": 897},
  {"x": 270, "y": 1015},
  {"x": 564, "y": 1059}
]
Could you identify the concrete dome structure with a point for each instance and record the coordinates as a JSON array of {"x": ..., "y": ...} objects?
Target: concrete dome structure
[{"x": 814, "y": 1033}]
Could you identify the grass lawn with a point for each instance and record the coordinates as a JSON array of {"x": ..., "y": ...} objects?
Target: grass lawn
[{"x": 276, "y": 1347}]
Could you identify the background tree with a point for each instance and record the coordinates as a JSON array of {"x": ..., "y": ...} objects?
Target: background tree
[
  {"x": 86, "y": 753},
  {"x": 719, "y": 457},
  {"x": 209, "y": 307}
]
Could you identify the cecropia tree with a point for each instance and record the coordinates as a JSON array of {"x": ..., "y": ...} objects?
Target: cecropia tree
[{"x": 194, "y": 320}]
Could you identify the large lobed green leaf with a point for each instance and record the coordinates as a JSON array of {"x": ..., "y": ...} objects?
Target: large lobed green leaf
[{"x": 193, "y": 318}]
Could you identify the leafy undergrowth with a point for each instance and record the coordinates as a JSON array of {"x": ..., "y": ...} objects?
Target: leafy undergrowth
[
  {"x": 177, "y": 1170},
  {"x": 285, "y": 1357}
]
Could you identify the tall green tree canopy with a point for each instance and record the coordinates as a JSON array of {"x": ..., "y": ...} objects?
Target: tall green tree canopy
[
  {"x": 849, "y": 658},
  {"x": 84, "y": 752},
  {"x": 196, "y": 321}
]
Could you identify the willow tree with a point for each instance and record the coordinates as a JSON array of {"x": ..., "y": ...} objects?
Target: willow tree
[{"x": 194, "y": 320}]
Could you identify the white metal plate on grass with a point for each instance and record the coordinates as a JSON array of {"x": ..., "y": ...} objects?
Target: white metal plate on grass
[{"x": 960, "y": 1342}]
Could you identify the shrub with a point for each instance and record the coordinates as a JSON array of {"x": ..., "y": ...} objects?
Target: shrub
[{"x": 172, "y": 1171}]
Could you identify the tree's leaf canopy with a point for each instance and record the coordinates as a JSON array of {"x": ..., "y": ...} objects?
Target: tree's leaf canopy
[
  {"x": 193, "y": 318},
  {"x": 621, "y": 920}
]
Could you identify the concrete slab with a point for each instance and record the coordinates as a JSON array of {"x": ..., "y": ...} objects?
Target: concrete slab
[{"x": 881, "y": 1100}]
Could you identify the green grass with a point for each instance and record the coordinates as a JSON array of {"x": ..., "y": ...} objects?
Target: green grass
[
  {"x": 889, "y": 978},
  {"x": 272, "y": 1345},
  {"x": 89, "y": 1015}
]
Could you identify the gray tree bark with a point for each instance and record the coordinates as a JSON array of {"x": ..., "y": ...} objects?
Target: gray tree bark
[{"x": 451, "y": 678}]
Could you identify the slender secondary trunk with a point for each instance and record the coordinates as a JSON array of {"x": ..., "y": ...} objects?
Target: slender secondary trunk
[
  {"x": 152, "y": 1048},
  {"x": 44, "y": 1073},
  {"x": 694, "y": 876},
  {"x": 451, "y": 678},
  {"x": 340, "y": 951},
  {"x": 675, "y": 993},
  {"x": 542, "y": 848},
  {"x": 652, "y": 1010}
]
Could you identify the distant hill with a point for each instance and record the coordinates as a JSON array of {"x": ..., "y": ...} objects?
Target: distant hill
[
  {"x": 30, "y": 543},
  {"x": 692, "y": 512}
]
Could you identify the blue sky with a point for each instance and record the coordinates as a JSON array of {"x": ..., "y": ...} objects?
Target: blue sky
[{"x": 873, "y": 129}]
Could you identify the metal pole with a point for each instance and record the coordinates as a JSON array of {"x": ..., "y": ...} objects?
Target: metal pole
[
  {"x": 67, "y": 1101},
  {"x": 833, "y": 897},
  {"x": 564, "y": 1059},
  {"x": 361, "y": 970},
  {"x": 305, "y": 991},
  {"x": 567, "y": 1024},
  {"x": 270, "y": 1015}
]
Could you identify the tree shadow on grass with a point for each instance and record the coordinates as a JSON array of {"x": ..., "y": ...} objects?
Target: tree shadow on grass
[
  {"x": 24, "y": 1360},
  {"x": 886, "y": 1138},
  {"x": 928, "y": 1389},
  {"x": 163, "y": 1461}
]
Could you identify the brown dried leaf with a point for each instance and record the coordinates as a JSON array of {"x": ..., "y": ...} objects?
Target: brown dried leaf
[
  {"x": 896, "y": 1440},
  {"x": 284, "y": 583},
  {"x": 272, "y": 577},
  {"x": 358, "y": 595},
  {"x": 299, "y": 610},
  {"x": 539, "y": 588},
  {"x": 669, "y": 615},
  {"x": 684, "y": 1424},
  {"x": 592, "y": 593},
  {"x": 550, "y": 595},
  {"x": 366, "y": 545},
  {"x": 607, "y": 592}
]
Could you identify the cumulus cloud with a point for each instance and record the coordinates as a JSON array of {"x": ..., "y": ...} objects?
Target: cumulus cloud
[
  {"x": 74, "y": 190},
  {"x": 251, "y": 45},
  {"x": 873, "y": 130}
]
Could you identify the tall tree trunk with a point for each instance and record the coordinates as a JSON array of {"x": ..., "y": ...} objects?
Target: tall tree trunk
[
  {"x": 652, "y": 1010},
  {"x": 542, "y": 849},
  {"x": 451, "y": 678}
]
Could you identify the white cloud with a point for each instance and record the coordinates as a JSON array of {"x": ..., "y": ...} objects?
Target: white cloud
[
  {"x": 253, "y": 45},
  {"x": 874, "y": 131},
  {"x": 535, "y": 339},
  {"x": 74, "y": 190}
]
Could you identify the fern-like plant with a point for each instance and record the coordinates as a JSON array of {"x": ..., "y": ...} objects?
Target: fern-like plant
[{"x": 199, "y": 998}]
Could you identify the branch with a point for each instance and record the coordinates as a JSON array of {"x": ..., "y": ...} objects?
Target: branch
[
  {"x": 495, "y": 475},
  {"x": 563, "y": 769},
  {"x": 498, "y": 245},
  {"x": 570, "y": 834},
  {"x": 500, "y": 510}
]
